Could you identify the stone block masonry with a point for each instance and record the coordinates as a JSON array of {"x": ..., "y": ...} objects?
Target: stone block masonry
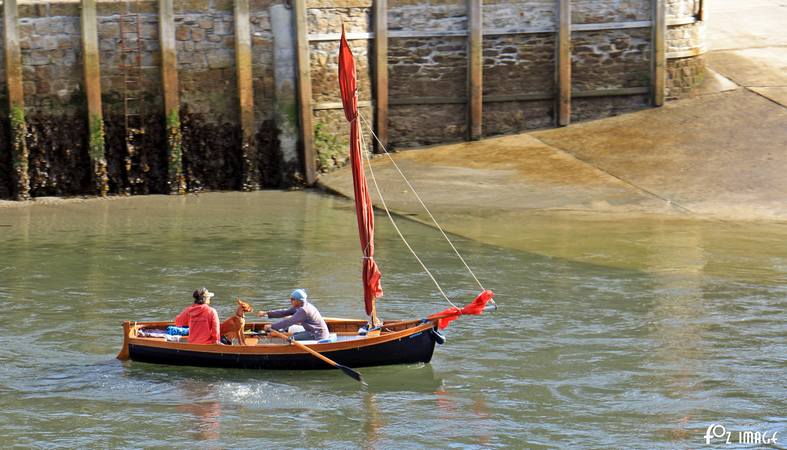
[
  {"x": 518, "y": 15},
  {"x": 49, "y": 35},
  {"x": 610, "y": 59},
  {"x": 331, "y": 144},
  {"x": 611, "y": 55},
  {"x": 611, "y": 51},
  {"x": 55, "y": 108},
  {"x": 5, "y": 134},
  {"x": 2, "y": 74},
  {"x": 605, "y": 11},
  {"x": 519, "y": 64},
  {"x": 684, "y": 76}
]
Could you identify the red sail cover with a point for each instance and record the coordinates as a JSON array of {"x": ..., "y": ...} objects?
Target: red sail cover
[
  {"x": 363, "y": 204},
  {"x": 475, "y": 307}
]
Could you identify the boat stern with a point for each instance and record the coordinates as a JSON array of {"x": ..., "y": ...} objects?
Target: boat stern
[{"x": 124, "y": 354}]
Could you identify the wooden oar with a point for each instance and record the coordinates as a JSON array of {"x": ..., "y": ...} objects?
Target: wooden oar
[{"x": 351, "y": 373}]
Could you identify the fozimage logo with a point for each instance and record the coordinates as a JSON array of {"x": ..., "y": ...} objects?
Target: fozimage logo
[{"x": 718, "y": 434}]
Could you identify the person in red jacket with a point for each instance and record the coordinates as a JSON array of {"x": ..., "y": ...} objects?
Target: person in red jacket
[{"x": 201, "y": 318}]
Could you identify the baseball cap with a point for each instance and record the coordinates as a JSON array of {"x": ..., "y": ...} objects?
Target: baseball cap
[{"x": 299, "y": 294}]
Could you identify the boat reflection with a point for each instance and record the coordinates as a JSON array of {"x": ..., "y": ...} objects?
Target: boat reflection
[
  {"x": 453, "y": 409},
  {"x": 374, "y": 421},
  {"x": 387, "y": 380},
  {"x": 206, "y": 413},
  {"x": 419, "y": 378}
]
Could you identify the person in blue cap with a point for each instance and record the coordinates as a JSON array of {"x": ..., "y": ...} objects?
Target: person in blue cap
[{"x": 301, "y": 313}]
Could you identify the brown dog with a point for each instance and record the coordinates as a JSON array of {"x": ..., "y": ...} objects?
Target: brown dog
[{"x": 233, "y": 327}]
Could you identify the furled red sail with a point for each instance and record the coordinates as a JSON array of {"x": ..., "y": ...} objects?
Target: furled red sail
[{"x": 363, "y": 204}]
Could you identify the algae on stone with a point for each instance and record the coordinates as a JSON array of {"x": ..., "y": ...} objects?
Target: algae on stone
[
  {"x": 97, "y": 157},
  {"x": 331, "y": 151},
  {"x": 175, "y": 179},
  {"x": 19, "y": 153}
]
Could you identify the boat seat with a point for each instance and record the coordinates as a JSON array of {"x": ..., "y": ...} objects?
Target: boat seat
[
  {"x": 328, "y": 340},
  {"x": 331, "y": 338}
]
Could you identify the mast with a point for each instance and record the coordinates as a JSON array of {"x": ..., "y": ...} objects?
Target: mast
[{"x": 363, "y": 204}]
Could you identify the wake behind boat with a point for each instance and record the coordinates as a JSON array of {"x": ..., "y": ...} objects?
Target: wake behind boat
[{"x": 352, "y": 342}]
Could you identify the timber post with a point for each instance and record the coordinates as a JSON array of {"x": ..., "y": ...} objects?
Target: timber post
[
  {"x": 564, "y": 63},
  {"x": 305, "y": 92},
  {"x": 92, "y": 74},
  {"x": 285, "y": 81},
  {"x": 176, "y": 182},
  {"x": 251, "y": 173},
  {"x": 381, "y": 70},
  {"x": 16, "y": 101},
  {"x": 475, "y": 71},
  {"x": 658, "y": 67}
]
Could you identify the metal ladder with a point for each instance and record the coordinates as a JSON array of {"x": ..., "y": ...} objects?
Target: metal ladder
[{"x": 133, "y": 105}]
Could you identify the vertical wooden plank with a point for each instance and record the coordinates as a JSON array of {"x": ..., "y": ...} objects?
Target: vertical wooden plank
[
  {"x": 564, "y": 63},
  {"x": 658, "y": 72},
  {"x": 381, "y": 69},
  {"x": 92, "y": 82},
  {"x": 16, "y": 101},
  {"x": 13, "y": 54},
  {"x": 305, "y": 92},
  {"x": 285, "y": 96},
  {"x": 475, "y": 79},
  {"x": 176, "y": 182},
  {"x": 251, "y": 173}
]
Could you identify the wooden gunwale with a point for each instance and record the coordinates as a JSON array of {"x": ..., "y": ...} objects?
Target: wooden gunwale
[{"x": 412, "y": 327}]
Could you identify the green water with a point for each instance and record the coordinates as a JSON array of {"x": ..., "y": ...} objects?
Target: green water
[{"x": 631, "y": 333}]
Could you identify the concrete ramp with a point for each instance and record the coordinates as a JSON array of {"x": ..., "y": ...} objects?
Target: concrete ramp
[
  {"x": 511, "y": 173},
  {"x": 719, "y": 155}
]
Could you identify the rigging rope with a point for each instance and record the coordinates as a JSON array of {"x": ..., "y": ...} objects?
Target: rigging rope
[
  {"x": 390, "y": 217},
  {"x": 419, "y": 200}
]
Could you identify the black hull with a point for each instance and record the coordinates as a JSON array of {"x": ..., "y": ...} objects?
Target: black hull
[{"x": 408, "y": 350}]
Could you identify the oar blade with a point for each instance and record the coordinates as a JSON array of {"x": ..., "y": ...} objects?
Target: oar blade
[{"x": 351, "y": 373}]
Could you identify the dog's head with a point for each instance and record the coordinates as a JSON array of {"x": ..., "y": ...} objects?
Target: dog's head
[{"x": 245, "y": 307}]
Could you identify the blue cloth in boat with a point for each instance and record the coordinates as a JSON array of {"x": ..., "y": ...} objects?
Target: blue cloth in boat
[{"x": 177, "y": 331}]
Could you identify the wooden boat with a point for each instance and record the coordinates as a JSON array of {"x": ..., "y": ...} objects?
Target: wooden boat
[
  {"x": 389, "y": 342},
  {"x": 397, "y": 343}
]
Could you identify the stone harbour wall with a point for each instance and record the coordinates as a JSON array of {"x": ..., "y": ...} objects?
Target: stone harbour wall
[
  {"x": 519, "y": 15},
  {"x": 50, "y": 40},
  {"x": 683, "y": 8},
  {"x": 685, "y": 48},
  {"x": 603, "y": 11},
  {"x": 520, "y": 61},
  {"x": 331, "y": 128},
  {"x": 427, "y": 67},
  {"x": 611, "y": 51},
  {"x": 50, "y": 43},
  {"x": 684, "y": 76},
  {"x": 610, "y": 59}
]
